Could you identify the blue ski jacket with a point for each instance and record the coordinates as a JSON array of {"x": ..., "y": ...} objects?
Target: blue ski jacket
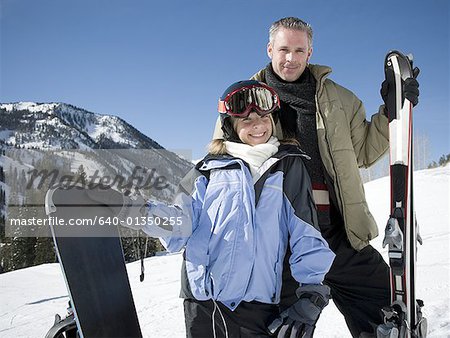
[{"x": 236, "y": 232}]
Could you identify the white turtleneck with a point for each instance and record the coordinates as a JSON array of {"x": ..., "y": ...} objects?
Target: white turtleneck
[{"x": 256, "y": 156}]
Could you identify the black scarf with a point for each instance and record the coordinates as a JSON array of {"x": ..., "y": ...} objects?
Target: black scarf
[
  {"x": 298, "y": 120},
  {"x": 298, "y": 103}
]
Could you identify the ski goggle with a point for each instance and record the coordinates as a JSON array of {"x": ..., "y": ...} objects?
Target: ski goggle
[{"x": 249, "y": 96}]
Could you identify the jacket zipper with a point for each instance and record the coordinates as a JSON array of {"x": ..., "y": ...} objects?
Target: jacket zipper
[{"x": 336, "y": 180}]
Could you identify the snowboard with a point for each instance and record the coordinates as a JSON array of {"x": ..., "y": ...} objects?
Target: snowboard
[{"x": 93, "y": 264}]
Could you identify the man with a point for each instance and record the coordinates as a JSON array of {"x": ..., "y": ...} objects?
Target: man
[{"x": 330, "y": 124}]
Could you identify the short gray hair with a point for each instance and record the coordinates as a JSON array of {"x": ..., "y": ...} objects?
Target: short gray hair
[{"x": 291, "y": 23}]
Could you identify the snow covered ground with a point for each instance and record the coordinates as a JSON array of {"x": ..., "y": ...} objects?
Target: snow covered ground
[{"x": 29, "y": 298}]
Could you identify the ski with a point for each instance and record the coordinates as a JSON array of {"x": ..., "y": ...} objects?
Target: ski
[{"x": 403, "y": 319}]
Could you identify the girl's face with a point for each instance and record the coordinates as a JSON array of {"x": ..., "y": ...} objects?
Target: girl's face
[{"x": 254, "y": 129}]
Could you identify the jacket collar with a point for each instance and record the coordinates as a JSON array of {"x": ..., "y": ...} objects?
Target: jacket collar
[
  {"x": 223, "y": 161},
  {"x": 217, "y": 161},
  {"x": 286, "y": 150},
  {"x": 320, "y": 73}
]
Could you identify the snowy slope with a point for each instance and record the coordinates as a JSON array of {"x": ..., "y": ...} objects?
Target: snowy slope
[{"x": 30, "y": 297}]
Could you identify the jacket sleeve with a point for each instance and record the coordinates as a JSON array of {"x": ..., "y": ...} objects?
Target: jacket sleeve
[
  {"x": 174, "y": 223},
  {"x": 370, "y": 139},
  {"x": 311, "y": 256}
]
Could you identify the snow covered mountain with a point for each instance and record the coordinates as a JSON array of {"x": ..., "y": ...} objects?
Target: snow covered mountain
[
  {"x": 63, "y": 126},
  {"x": 37, "y": 136},
  {"x": 46, "y": 144}
]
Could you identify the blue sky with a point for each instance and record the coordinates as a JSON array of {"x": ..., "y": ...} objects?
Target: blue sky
[{"x": 161, "y": 65}]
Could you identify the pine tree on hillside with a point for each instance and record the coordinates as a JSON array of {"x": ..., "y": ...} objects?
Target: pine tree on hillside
[
  {"x": 443, "y": 160},
  {"x": 44, "y": 251},
  {"x": 80, "y": 175}
]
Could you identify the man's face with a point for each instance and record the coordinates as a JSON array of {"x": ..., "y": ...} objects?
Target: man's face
[{"x": 290, "y": 53}]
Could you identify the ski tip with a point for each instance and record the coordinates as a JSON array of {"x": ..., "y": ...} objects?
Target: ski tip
[{"x": 400, "y": 54}]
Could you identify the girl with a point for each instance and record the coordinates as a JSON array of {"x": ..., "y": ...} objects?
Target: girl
[{"x": 247, "y": 203}]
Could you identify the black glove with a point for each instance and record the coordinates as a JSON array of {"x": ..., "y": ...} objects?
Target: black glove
[
  {"x": 300, "y": 319},
  {"x": 410, "y": 89}
]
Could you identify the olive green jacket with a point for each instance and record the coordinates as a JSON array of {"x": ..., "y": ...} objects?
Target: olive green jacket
[{"x": 346, "y": 142}]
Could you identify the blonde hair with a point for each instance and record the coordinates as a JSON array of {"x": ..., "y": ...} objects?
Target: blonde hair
[{"x": 217, "y": 147}]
